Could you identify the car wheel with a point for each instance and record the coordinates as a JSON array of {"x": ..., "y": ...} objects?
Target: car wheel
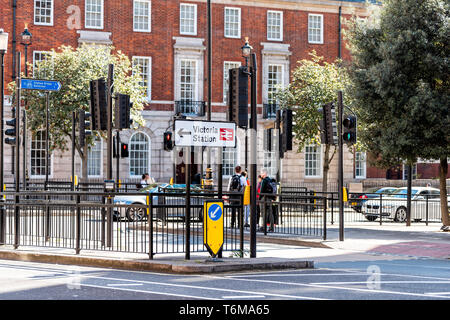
[
  {"x": 371, "y": 218},
  {"x": 400, "y": 214},
  {"x": 135, "y": 214}
]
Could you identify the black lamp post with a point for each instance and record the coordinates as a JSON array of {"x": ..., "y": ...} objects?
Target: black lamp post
[
  {"x": 3, "y": 49},
  {"x": 26, "y": 41},
  {"x": 247, "y": 53}
]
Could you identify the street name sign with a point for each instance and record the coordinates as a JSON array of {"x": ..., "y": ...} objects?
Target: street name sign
[
  {"x": 193, "y": 133},
  {"x": 213, "y": 226},
  {"x": 43, "y": 85}
]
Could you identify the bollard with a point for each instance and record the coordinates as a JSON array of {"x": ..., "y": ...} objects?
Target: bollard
[
  {"x": 150, "y": 221},
  {"x": 78, "y": 225}
]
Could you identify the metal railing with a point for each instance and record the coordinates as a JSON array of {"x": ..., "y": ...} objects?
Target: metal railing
[{"x": 190, "y": 108}]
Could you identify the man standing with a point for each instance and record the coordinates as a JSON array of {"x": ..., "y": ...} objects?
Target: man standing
[
  {"x": 236, "y": 184},
  {"x": 266, "y": 199}
]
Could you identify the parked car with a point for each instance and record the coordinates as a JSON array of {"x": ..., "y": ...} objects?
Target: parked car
[
  {"x": 134, "y": 212},
  {"x": 357, "y": 199},
  {"x": 423, "y": 200}
]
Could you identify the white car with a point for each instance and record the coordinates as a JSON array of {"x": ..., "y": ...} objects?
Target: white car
[{"x": 424, "y": 200}]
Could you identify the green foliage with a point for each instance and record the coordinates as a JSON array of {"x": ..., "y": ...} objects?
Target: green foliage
[
  {"x": 400, "y": 77},
  {"x": 74, "y": 68},
  {"x": 314, "y": 83}
]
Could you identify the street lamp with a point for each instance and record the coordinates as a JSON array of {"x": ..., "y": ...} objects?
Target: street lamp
[
  {"x": 26, "y": 41},
  {"x": 247, "y": 53},
  {"x": 3, "y": 49}
]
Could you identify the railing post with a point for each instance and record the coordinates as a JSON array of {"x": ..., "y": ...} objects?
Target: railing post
[
  {"x": 381, "y": 209},
  {"x": 332, "y": 205},
  {"x": 426, "y": 212},
  {"x": 241, "y": 224},
  {"x": 150, "y": 227},
  {"x": 78, "y": 225},
  {"x": 265, "y": 215},
  {"x": 47, "y": 218},
  {"x": 16, "y": 221},
  {"x": 325, "y": 218}
]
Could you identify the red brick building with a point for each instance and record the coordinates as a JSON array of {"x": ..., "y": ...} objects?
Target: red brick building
[{"x": 167, "y": 39}]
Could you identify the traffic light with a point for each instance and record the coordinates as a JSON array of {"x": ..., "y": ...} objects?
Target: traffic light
[
  {"x": 11, "y": 132},
  {"x": 349, "y": 128},
  {"x": 99, "y": 115},
  {"x": 124, "y": 150},
  {"x": 83, "y": 125},
  {"x": 168, "y": 143},
  {"x": 122, "y": 117},
  {"x": 286, "y": 128},
  {"x": 238, "y": 97},
  {"x": 328, "y": 127}
]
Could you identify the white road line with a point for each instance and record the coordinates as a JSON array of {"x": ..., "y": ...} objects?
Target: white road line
[
  {"x": 195, "y": 287},
  {"x": 381, "y": 282},
  {"x": 438, "y": 293},
  {"x": 335, "y": 287},
  {"x": 243, "y": 297},
  {"x": 123, "y": 284},
  {"x": 301, "y": 275}
]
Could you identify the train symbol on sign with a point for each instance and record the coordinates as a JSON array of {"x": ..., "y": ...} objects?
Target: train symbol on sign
[{"x": 215, "y": 212}]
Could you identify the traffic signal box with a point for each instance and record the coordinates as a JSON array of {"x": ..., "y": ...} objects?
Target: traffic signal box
[
  {"x": 84, "y": 123},
  {"x": 168, "y": 143},
  {"x": 124, "y": 153},
  {"x": 284, "y": 122},
  {"x": 98, "y": 102},
  {"x": 238, "y": 97},
  {"x": 11, "y": 132},
  {"x": 328, "y": 127},
  {"x": 122, "y": 112},
  {"x": 349, "y": 129}
]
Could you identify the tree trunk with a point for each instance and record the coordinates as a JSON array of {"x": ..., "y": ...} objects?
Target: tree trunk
[
  {"x": 443, "y": 171},
  {"x": 326, "y": 168}
]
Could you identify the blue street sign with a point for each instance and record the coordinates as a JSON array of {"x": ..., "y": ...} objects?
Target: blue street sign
[
  {"x": 215, "y": 212},
  {"x": 44, "y": 85}
]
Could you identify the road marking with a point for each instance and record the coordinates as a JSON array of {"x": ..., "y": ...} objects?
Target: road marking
[
  {"x": 123, "y": 284},
  {"x": 380, "y": 282},
  {"x": 333, "y": 287},
  {"x": 438, "y": 293},
  {"x": 244, "y": 297}
]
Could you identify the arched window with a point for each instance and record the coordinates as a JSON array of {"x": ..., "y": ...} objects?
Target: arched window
[{"x": 139, "y": 154}]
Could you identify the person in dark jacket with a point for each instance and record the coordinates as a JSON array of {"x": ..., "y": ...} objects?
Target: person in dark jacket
[{"x": 266, "y": 189}]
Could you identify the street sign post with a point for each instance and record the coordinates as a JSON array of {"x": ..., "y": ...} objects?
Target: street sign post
[
  {"x": 193, "y": 133},
  {"x": 213, "y": 225},
  {"x": 43, "y": 85}
]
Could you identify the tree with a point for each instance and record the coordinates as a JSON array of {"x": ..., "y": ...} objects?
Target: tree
[
  {"x": 74, "y": 68},
  {"x": 400, "y": 77},
  {"x": 314, "y": 83}
]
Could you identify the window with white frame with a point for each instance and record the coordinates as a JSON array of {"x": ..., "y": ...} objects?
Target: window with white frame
[
  {"x": 38, "y": 157},
  {"x": 229, "y": 160},
  {"x": 270, "y": 163},
  {"x": 275, "y": 25},
  {"x": 142, "y": 16},
  {"x": 227, "y": 65},
  {"x": 232, "y": 22},
  {"x": 315, "y": 28},
  {"x": 43, "y": 12},
  {"x": 360, "y": 165},
  {"x": 94, "y": 14},
  {"x": 39, "y": 56},
  {"x": 95, "y": 159},
  {"x": 139, "y": 147},
  {"x": 274, "y": 79},
  {"x": 188, "y": 82},
  {"x": 144, "y": 67},
  {"x": 188, "y": 19},
  {"x": 313, "y": 161}
]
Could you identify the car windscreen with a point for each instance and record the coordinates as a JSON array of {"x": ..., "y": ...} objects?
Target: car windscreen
[
  {"x": 403, "y": 193},
  {"x": 386, "y": 190}
]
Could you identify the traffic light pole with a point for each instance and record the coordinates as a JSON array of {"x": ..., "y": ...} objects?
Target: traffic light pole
[
  {"x": 340, "y": 167},
  {"x": 17, "y": 158},
  {"x": 253, "y": 143},
  {"x": 118, "y": 151},
  {"x": 109, "y": 174},
  {"x": 47, "y": 134}
]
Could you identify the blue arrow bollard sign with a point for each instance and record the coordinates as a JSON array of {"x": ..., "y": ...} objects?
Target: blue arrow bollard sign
[{"x": 44, "y": 85}]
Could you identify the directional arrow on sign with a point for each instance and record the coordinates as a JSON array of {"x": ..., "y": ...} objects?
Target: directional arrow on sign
[{"x": 181, "y": 133}]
